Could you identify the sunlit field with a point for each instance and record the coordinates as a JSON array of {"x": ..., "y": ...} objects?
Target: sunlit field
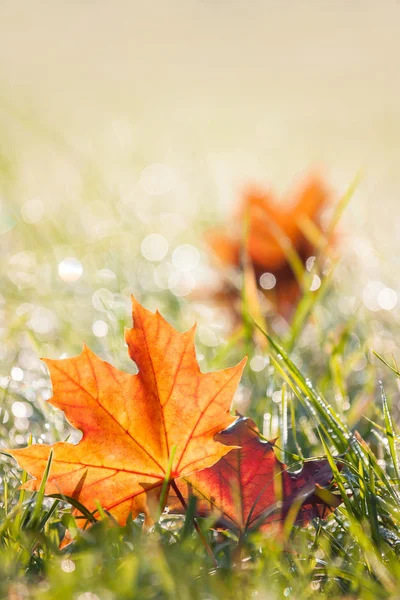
[{"x": 233, "y": 167}]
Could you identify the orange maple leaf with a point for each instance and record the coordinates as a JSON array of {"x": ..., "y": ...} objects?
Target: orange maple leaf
[
  {"x": 250, "y": 488},
  {"x": 267, "y": 222},
  {"x": 133, "y": 424}
]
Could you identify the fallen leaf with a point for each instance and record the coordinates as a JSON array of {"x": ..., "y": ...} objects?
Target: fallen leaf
[
  {"x": 270, "y": 227},
  {"x": 249, "y": 488},
  {"x": 133, "y": 424}
]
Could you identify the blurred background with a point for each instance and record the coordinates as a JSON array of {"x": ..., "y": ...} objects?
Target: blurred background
[
  {"x": 219, "y": 93},
  {"x": 127, "y": 128}
]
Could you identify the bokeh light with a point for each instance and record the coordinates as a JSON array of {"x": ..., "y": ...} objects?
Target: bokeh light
[
  {"x": 33, "y": 210},
  {"x": 185, "y": 257},
  {"x": 100, "y": 328},
  {"x": 267, "y": 281},
  {"x": 154, "y": 247},
  {"x": 70, "y": 270}
]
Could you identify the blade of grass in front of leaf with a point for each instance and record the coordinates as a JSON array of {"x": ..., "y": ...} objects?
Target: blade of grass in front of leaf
[
  {"x": 166, "y": 482},
  {"x": 22, "y": 493},
  {"x": 101, "y": 511},
  {"x": 342, "y": 205},
  {"x": 313, "y": 234},
  {"x": 189, "y": 517},
  {"x": 86, "y": 514},
  {"x": 339, "y": 480},
  {"x": 327, "y": 496},
  {"x": 321, "y": 240},
  {"x": 310, "y": 298},
  {"x": 291, "y": 517},
  {"x": 292, "y": 256},
  {"x": 277, "y": 485},
  {"x": 35, "y": 517}
]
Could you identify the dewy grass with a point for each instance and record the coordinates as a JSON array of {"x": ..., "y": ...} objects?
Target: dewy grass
[
  {"x": 313, "y": 397},
  {"x": 354, "y": 553}
]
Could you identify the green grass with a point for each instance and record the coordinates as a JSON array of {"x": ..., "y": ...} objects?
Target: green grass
[
  {"x": 354, "y": 552},
  {"x": 332, "y": 405}
]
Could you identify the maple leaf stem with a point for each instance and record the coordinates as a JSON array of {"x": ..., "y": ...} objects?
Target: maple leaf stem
[{"x": 195, "y": 524}]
